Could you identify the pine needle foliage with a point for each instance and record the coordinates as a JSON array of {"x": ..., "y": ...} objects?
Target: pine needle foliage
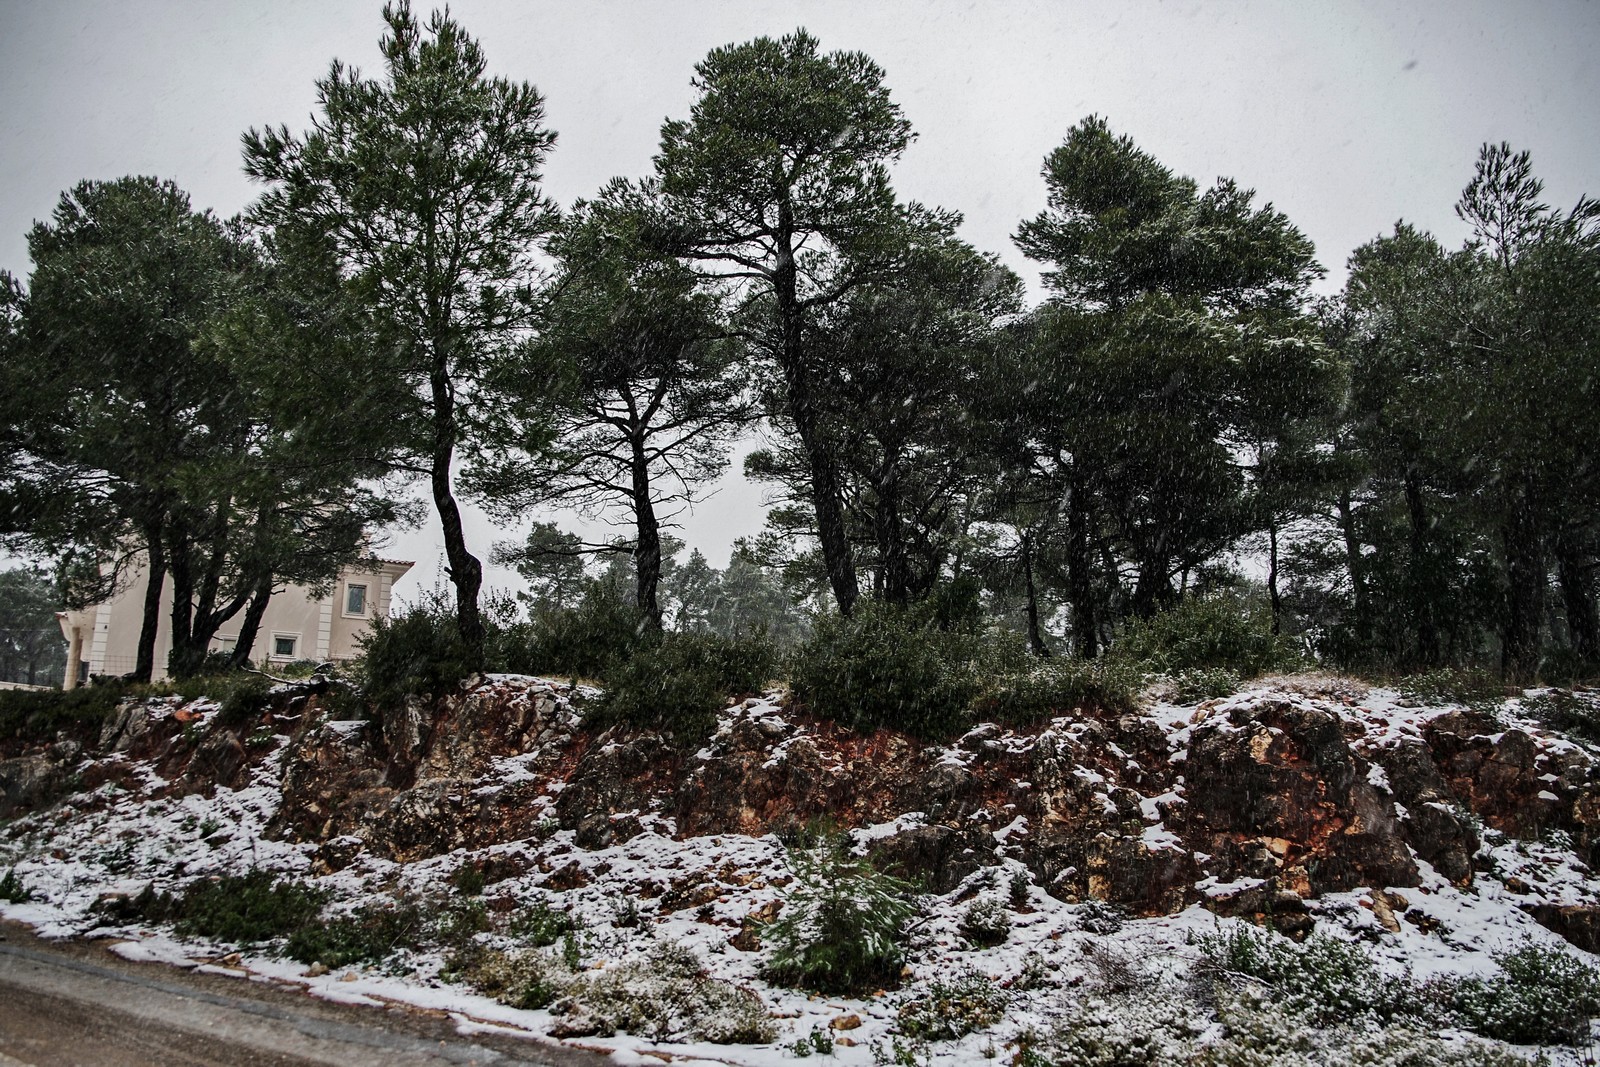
[{"x": 843, "y": 926}]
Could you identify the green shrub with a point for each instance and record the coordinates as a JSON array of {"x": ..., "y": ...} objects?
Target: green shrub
[
  {"x": 885, "y": 667},
  {"x": 677, "y": 682},
  {"x": 1576, "y": 714},
  {"x": 667, "y": 996},
  {"x": 590, "y": 640},
  {"x": 12, "y": 891},
  {"x": 951, "y": 1010},
  {"x": 246, "y": 908},
  {"x": 1050, "y": 687},
  {"x": 539, "y": 924},
  {"x": 843, "y": 925},
  {"x": 1324, "y": 980},
  {"x": 368, "y": 935},
  {"x": 418, "y": 651},
  {"x": 528, "y": 980},
  {"x": 1475, "y": 688},
  {"x": 242, "y": 696},
  {"x": 1541, "y": 996},
  {"x": 41, "y": 714},
  {"x": 985, "y": 923},
  {"x": 1202, "y": 633},
  {"x": 1564, "y": 666},
  {"x": 1193, "y": 686}
]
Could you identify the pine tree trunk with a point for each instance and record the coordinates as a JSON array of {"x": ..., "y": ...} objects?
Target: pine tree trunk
[
  {"x": 1353, "y": 564},
  {"x": 647, "y": 544},
  {"x": 1575, "y": 573},
  {"x": 1421, "y": 575},
  {"x": 826, "y": 494},
  {"x": 1080, "y": 586},
  {"x": 1272, "y": 576},
  {"x": 466, "y": 572},
  {"x": 145, "y": 655},
  {"x": 1525, "y": 584},
  {"x": 891, "y": 546},
  {"x": 250, "y": 625},
  {"x": 1036, "y": 640}
]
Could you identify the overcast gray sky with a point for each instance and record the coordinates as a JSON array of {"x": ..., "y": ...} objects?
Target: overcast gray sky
[{"x": 1347, "y": 115}]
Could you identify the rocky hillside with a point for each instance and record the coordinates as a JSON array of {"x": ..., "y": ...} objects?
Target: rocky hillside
[{"x": 1093, "y": 864}]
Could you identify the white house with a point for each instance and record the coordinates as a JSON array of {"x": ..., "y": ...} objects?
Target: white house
[{"x": 104, "y": 639}]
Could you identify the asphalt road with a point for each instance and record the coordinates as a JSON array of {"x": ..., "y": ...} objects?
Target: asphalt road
[{"x": 66, "y": 1004}]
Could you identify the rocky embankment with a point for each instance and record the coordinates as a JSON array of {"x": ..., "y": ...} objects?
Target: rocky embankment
[
  {"x": 1250, "y": 804},
  {"x": 1438, "y": 833}
]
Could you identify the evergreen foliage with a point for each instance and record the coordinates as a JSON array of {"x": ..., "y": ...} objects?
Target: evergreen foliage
[{"x": 843, "y": 925}]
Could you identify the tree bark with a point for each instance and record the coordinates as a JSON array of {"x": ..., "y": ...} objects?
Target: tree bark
[
  {"x": 647, "y": 544},
  {"x": 145, "y": 655},
  {"x": 826, "y": 495},
  {"x": 1272, "y": 576},
  {"x": 1422, "y": 579},
  {"x": 892, "y": 560},
  {"x": 250, "y": 625},
  {"x": 1080, "y": 587},
  {"x": 1353, "y": 564},
  {"x": 466, "y": 572},
  {"x": 1036, "y": 640},
  {"x": 1525, "y": 582},
  {"x": 1575, "y": 574}
]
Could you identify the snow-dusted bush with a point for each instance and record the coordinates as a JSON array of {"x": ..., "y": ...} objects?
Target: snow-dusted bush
[
  {"x": 367, "y": 935},
  {"x": 666, "y": 996},
  {"x": 246, "y": 908},
  {"x": 843, "y": 925},
  {"x": 1207, "y": 633},
  {"x": 949, "y": 1010},
  {"x": 526, "y": 979},
  {"x": 1200, "y": 683},
  {"x": 1325, "y": 980},
  {"x": 1043, "y": 688},
  {"x": 676, "y": 682},
  {"x": 890, "y": 667},
  {"x": 1541, "y": 996},
  {"x": 985, "y": 923}
]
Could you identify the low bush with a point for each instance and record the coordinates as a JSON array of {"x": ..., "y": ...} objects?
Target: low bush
[
  {"x": 1576, "y": 714},
  {"x": 246, "y": 908},
  {"x": 242, "y": 695},
  {"x": 1045, "y": 688},
  {"x": 1475, "y": 688},
  {"x": 951, "y": 1010},
  {"x": 591, "y": 640},
  {"x": 843, "y": 925},
  {"x": 985, "y": 923},
  {"x": 539, "y": 924},
  {"x": 41, "y": 714},
  {"x": 888, "y": 667},
  {"x": 1325, "y": 980},
  {"x": 525, "y": 979},
  {"x": 1565, "y": 666},
  {"x": 1207, "y": 633},
  {"x": 667, "y": 996},
  {"x": 12, "y": 891},
  {"x": 1541, "y": 996},
  {"x": 1193, "y": 686},
  {"x": 418, "y": 651},
  {"x": 677, "y": 682},
  {"x": 367, "y": 935}
]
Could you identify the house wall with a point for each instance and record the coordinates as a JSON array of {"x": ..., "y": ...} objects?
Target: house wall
[{"x": 320, "y": 628}]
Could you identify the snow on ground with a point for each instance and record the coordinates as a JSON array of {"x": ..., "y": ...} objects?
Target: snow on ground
[{"x": 118, "y": 840}]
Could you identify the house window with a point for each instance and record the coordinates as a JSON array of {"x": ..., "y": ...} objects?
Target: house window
[
  {"x": 283, "y": 645},
  {"x": 355, "y": 600}
]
